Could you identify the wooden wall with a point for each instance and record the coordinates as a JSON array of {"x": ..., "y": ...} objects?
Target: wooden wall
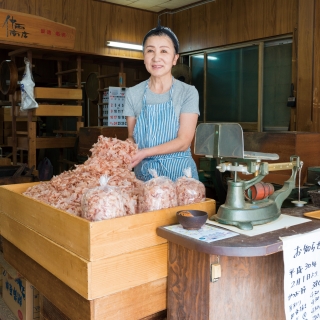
[
  {"x": 95, "y": 22},
  {"x": 225, "y": 22},
  {"x": 215, "y": 24}
]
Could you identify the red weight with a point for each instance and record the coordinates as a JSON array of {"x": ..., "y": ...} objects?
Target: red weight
[{"x": 260, "y": 191}]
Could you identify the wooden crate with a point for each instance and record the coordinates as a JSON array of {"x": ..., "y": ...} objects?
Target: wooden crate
[
  {"x": 141, "y": 302},
  {"x": 95, "y": 259},
  {"x": 285, "y": 144}
]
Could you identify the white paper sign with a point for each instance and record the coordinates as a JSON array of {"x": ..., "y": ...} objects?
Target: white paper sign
[
  {"x": 205, "y": 233},
  {"x": 301, "y": 254}
]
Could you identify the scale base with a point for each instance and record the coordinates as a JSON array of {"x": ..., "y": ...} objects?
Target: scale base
[
  {"x": 299, "y": 203},
  {"x": 245, "y": 218}
]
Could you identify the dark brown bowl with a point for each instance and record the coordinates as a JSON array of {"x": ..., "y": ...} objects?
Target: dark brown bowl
[{"x": 195, "y": 222}]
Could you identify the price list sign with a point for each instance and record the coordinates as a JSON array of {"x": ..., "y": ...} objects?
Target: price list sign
[
  {"x": 115, "y": 107},
  {"x": 301, "y": 254}
]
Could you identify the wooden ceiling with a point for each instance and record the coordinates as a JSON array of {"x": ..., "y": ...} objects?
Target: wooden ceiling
[{"x": 156, "y": 5}]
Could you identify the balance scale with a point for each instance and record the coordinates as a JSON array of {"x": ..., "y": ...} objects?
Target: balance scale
[{"x": 224, "y": 141}]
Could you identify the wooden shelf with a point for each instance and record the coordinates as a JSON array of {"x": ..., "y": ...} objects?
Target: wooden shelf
[
  {"x": 44, "y": 142},
  {"x": 54, "y": 94},
  {"x": 57, "y": 110},
  {"x": 57, "y": 102},
  {"x": 67, "y": 71}
]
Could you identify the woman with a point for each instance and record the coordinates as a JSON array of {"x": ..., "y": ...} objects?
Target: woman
[{"x": 162, "y": 112}]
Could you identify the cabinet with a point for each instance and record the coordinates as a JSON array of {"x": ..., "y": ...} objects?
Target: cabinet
[{"x": 53, "y": 102}]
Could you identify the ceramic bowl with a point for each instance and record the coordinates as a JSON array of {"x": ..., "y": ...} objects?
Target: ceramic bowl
[{"x": 192, "y": 219}]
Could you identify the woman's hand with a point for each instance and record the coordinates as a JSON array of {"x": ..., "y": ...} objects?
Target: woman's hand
[{"x": 139, "y": 156}]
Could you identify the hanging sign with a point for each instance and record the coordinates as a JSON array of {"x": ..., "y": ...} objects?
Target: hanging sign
[
  {"x": 301, "y": 254},
  {"x": 30, "y": 29}
]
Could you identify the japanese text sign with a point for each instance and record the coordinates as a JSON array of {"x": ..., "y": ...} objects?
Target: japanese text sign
[
  {"x": 301, "y": 254},
  {"x": 34, "y": 30}
]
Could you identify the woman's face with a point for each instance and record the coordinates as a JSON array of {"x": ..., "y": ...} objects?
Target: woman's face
[{"x": 159, "y": 55}]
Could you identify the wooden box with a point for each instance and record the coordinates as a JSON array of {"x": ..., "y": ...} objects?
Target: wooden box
[
  {"x": 95, "y": 259},
  {"x": 285, "y": 144}
]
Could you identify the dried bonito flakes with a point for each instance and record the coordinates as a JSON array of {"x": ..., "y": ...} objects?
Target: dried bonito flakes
[
  {"x": 189, "y": 190},
  {"x": 158, "y": 193},
  {"x": 103, "y": 202},
  {"x": 186, "y": 214},
  {"x": 110, "y": 156}
]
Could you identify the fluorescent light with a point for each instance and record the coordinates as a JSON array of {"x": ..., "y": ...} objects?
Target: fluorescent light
[
  {"x": 208, "y": 57},
  {"x": 124, "y": 45}
]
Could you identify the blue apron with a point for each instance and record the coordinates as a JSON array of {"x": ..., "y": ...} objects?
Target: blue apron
[{"x": 158, "y": 124}]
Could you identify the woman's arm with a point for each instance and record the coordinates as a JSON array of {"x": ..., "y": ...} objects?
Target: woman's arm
[
  {"x": 131, "y": 122},
  {"x": 188, "y": 123}
]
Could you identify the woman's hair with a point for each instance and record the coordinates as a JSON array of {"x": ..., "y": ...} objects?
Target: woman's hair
[{"x": 160, "y": 31}]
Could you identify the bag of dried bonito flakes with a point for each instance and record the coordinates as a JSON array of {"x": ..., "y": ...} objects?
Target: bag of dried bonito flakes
[
  {"x": 189, "y": 190},
  {"x": 158, "y": 193},
  {"x": 102, "y": 202}
]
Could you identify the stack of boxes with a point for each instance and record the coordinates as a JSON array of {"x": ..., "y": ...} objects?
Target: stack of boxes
[{"x": 20, "y": 299}]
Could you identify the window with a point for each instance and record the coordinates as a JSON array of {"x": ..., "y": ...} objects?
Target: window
[{"x": 229, "y": 82}]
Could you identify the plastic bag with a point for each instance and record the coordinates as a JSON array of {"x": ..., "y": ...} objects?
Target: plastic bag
[
  {"x": 103, "y": 202},
  {"x": 130, "y": 190},
  {"x": 27, "y": 89},
  {"x": 45, "y": 169},
  {"x": 158, "y": 193},
  {"x": 189, "y": 190}
]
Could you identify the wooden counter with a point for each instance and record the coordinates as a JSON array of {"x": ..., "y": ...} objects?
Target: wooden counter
[{"x": 252, "y": 271}]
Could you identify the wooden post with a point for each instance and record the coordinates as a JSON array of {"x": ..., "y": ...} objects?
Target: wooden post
[
  {"x": 293, "y": 111},
  {"x": 79, "y": 102},
  {"x": 101, "y": 87},
  {"x": 32, "y": 128},
  {"x": 14, "y": 124},
  {"x": 122, "y": 76},
  {"x": 316, "y": 69},
  {"x": 305, "y": 65}
]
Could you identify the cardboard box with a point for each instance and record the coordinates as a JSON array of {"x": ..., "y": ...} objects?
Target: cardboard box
[
  {"x": 21, "y": 297},
  {"x": 5, "y": 312},
  {"x": 95, "y": 259}
]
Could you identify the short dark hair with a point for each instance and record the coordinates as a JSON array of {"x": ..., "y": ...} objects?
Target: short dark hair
[{"x": 160, "y": 31}]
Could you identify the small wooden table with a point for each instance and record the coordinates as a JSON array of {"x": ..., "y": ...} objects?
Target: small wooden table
[{"x": 252, "y": 271}]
